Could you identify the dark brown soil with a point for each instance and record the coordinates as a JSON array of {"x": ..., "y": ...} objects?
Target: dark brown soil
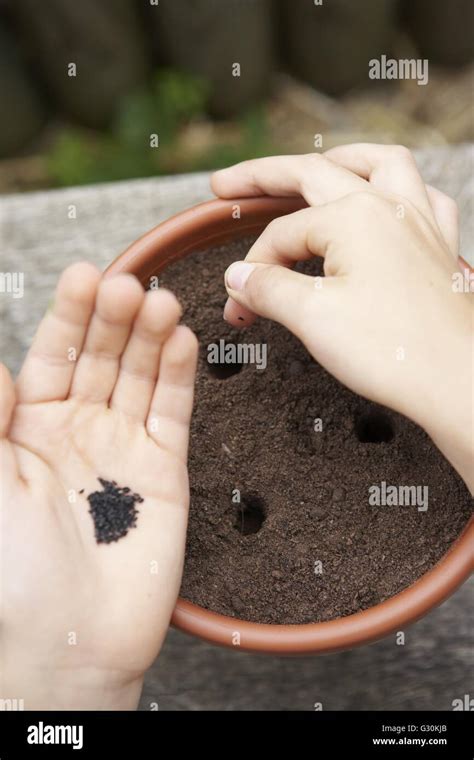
[{"x": 304, "y": 544}]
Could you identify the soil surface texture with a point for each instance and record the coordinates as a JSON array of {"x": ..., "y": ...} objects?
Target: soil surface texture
[{"x": 303, "y": 544}]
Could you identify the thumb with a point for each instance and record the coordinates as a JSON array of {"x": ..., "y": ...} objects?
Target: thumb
[
  {"x": 272, "y": 291},
  {"x": 7, "y": 400}
]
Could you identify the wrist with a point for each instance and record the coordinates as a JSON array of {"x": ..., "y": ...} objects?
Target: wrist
[
  {"x": 84, "y": 689},
  {"x": 456, "y": 443},
  {"x": 448, "y": 414}
]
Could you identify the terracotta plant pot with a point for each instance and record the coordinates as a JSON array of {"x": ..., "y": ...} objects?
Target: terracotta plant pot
[{"x": 202, "y": 227}]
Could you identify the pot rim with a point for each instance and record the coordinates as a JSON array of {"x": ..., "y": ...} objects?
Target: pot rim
[{"x": 203, "y": 226}]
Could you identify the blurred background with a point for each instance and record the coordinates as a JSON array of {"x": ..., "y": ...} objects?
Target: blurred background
[{"x": 84, "y": 85}]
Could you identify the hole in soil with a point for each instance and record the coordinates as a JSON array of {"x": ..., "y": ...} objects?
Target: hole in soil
[
  {"x": 374, "y": 427},
  {"x": 250, "y": 515},
  {"x": 221, "y": 363}
]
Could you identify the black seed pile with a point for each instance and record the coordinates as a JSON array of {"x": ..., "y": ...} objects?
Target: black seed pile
[{"x": 113, "y": 511}]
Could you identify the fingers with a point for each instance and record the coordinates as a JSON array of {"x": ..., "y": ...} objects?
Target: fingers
[
  {"x": 284, "y": 241},
  {"x": 313, "y": 176},
  {"x": 49, "y": 366},
  {"x": 390, "y": 168},
  {"x": 287, "y": 239},
  {"x": 446, "y": 212},
  {"x": 273, "y": 291},
  {"x": 171, "y": 407},
  {"x": 8, "y": 461},
  {"x": 118, "y": 300},
  {"x": 341, "y": 172},
  {"x": 323, "y": 178},
  {"x": 7, "y": 400},
  {"x": 276, "y": 293},
  {"x": 157, "y": 318},
  {"x": 237, "y": 314}
]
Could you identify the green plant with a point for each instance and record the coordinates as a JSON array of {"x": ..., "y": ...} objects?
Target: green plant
[
  {"x": 254, "y": 141},
  {"x": 144, "y": 139}
]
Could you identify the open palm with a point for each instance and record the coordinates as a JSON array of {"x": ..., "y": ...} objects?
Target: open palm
[{"x": 105, "y": 392}]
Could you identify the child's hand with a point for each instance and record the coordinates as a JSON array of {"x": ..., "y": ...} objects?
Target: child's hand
[
  {"x": 105, "y": 392},
  {"x": 385, "y": 320}
]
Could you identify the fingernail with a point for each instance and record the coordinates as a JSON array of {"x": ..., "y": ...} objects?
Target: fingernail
[
  {"x": 237, "y": 274},
  {"x": 226, "y": 311}
]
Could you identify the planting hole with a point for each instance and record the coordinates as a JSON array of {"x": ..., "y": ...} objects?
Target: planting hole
[
  {"x": 374, "y": 427},
  {"x": 250, "y": 515},
  {"x": 221, "y": 360}
]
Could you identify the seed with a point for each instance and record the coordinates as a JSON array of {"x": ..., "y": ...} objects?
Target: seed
[{"x": 113, "y": 511}]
